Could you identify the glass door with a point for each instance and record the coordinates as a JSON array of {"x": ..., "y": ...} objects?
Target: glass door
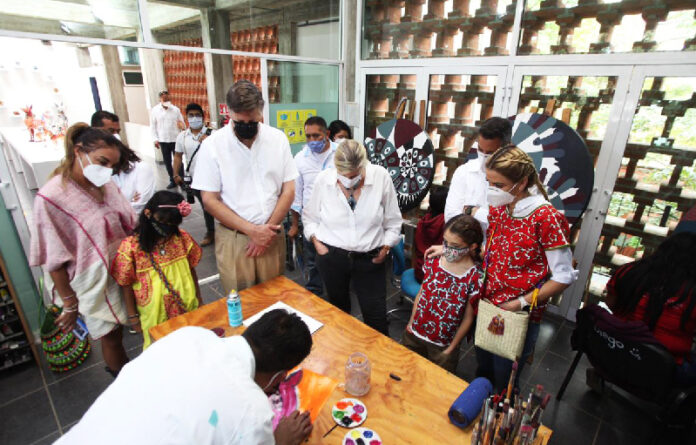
[
  {"x": 654, "y": 175},
  {"x": 590, "y": 100}
]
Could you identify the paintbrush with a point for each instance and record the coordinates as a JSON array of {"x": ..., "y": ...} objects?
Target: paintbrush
[
  {"x": 329, "y": 432},
  {"x": 511, "y": 384}
]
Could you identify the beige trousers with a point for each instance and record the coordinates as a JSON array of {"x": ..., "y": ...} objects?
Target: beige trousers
[{"x": 239, "y": 271}]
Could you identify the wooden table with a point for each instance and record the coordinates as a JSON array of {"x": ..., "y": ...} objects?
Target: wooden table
[{"x": 413, "y": 410}]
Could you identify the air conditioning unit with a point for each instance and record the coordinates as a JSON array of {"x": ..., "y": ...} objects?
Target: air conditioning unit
[{"x": 132, "y": 78}]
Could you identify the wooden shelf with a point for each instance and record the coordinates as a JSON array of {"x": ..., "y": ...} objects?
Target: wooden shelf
[{"x": 21, "y": 362}]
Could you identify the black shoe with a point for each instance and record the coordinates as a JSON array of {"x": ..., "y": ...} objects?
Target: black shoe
[{"x": 171, "y": 185}]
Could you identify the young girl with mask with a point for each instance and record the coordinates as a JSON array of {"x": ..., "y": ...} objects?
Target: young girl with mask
[
  {"x": 528, "y": 251},
  {"x": 156, "y": 267},
  {"x": 442, "y": 312},
  {"x": 79, "y": 220}
]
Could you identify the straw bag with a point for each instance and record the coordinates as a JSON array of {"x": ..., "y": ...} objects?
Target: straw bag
[{"x": 499, "y": 331}]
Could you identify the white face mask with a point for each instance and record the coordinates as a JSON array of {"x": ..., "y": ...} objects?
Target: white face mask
[
  {"x": 195, "y": 122},
  {"x": 497, "y": 197},
  {"x": 484, "y": 158},
  {"x": 348, "y": 182},
  {"x": 271, "y": 381},
  {"x": 166, "y": 104},
  {"x": 96, "y": 174},
  {"x": 117, "y": 136},
  {"x": 339, "y": 140}
]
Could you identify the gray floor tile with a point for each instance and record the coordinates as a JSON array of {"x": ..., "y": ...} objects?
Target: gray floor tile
[
  {"x": 75, "y": 394},
  {"x": 27, "y": 419},
  {"x": 19, "y": 382}
]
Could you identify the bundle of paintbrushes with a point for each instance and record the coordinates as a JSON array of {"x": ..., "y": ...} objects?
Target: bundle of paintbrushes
[{"x": 507, "y": 419}]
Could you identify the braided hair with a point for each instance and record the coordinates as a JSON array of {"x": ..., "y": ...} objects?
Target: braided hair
[{"x": 513, "y": 163}]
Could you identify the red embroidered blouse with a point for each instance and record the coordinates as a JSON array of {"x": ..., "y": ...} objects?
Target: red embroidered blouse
[
  {"x": 516, "y": 261},
  {"x": 443, "y": 301},
  {"x": 668, "y": 328}
]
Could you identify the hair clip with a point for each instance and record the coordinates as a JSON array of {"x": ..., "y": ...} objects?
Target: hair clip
[{"x": 183, "y": 207}]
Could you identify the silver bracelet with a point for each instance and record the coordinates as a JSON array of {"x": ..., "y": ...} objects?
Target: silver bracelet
[{"x": 70, "y": 309}]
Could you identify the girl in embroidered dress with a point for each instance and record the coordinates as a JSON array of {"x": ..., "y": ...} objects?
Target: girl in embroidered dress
[
  {"x": 442, "y": 313},
  {"x": 79, "y": 220},
  {"x": 156, "y": 267}
]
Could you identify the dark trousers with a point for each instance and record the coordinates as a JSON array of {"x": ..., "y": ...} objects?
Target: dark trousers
[
  {"x": 209, "y": 220},
  {"x": 339, "y": 269},
  {"x": 167, "y": 156},
  {"x": 497, "y": 369},
  {"x": 312, "y": 277}
]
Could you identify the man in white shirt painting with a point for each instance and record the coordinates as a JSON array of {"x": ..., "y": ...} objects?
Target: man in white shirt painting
[
  {"x": 166, "y": 122},
  {"x": 316, "y": 156},
  {"x": 246, "y": 176},
  {"x": 192, "y": 387},
  {"x": 134, "y": 178},
  {"x": 467, "y": 193},
  {"x": 188, "y": 144}
]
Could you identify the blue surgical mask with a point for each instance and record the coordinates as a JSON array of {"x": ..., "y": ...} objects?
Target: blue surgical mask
[
  {"x": 195, "y": 122},
  {"x": 316, "y": 146}
]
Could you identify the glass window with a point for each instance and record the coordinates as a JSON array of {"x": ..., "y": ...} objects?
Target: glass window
[
  {"x": 570, "y": 26},
  {"x": 656, "y": 183},
  {"x": 436, "y": 28},
  {"x": 298, "y": 91},
  {"x": 105, "y": 19},
  {"x": 174, "y": 25}
]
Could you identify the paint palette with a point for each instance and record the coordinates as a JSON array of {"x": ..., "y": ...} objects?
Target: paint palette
[
  {"x": 349, "y": 413},
  {"x": 362, "y": 436}
]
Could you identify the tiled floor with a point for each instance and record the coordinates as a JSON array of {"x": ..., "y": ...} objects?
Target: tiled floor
[{"x": 36, "y": 405}]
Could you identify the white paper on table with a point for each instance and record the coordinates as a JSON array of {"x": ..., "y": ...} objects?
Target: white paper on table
[{"x": 311, "y": 323}]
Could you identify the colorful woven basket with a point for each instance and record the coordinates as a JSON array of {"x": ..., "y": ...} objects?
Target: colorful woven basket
[{"x": 63, "y": 351}]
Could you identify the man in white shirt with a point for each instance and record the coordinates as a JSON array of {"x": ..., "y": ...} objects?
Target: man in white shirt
[
  {"x": 189, "y": 143},
  {"x": 135, "y": 178},
  {"x": 166, "y": 122},
  {"x": 467, "y": 193},
  {"x": 315, "y": 157},
  {"x": 192, "y": 387},
  {"x": 246, "y": 176}
]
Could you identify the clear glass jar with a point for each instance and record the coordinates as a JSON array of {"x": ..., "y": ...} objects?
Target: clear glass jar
[{"x": 358, "y": 370}]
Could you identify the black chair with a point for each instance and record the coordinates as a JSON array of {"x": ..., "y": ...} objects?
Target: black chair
[{"x": 626, "y": 354}]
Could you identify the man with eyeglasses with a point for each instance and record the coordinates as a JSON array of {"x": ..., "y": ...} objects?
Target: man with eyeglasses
[{"x": 246, "y": 176}]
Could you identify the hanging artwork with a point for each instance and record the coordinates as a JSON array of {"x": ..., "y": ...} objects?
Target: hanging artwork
[
  {"x": 561, "y": 158},
  {"x": 302, "y": 390},
  {"x": 405, "y": 150}
]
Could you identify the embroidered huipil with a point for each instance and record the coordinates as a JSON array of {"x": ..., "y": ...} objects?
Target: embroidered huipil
[{"x": 443, "y": 301}]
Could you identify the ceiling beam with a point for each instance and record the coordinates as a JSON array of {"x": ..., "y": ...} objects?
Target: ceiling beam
[
  {"x": 187, "y": 3},
  {"x": 45, "y": 26}
]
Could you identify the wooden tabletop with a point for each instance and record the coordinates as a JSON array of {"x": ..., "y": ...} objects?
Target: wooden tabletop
[{"x": 413, "y": 410}]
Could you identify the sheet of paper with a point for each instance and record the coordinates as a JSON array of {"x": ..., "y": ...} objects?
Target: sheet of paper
[{"x": 311, "y": 323}]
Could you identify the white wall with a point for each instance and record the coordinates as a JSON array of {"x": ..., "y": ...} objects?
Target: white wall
[
  {"x": 321, "y": 41},
  {"x": 31, "y": 72},
  {"x": 135, "y": 101}
]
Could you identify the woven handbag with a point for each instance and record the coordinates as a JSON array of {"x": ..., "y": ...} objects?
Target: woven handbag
[{"x": 499, "y": 331}]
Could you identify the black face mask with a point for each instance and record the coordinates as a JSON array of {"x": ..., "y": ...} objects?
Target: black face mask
[
  {"x": 246, "y": 130},
  {"x": 163, "y": 229}
]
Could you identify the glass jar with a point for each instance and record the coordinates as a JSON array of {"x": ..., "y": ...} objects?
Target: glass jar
[{"x": 358, "y": 374}]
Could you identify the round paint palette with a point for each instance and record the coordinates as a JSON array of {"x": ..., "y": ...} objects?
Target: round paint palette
[
  {"x": 349, "y": 413},
  {"x": 362, "y": 436}
]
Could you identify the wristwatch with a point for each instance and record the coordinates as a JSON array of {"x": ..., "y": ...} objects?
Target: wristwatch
[{"x": 523, "y": 302}]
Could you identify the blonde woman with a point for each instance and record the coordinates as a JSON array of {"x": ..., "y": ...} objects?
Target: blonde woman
[
  {"x": 353, "y": 220},
  {"x": 80, "y": 218},
  {"x": 527, "y": 247}
]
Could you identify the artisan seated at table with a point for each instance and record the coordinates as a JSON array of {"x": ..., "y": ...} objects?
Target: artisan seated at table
[
  {"x": 660, "y": 290},
  {"x": 192, "y": 387}
]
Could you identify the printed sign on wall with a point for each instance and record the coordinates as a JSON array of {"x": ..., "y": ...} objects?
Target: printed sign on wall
[{"x": 292, "y": 123}]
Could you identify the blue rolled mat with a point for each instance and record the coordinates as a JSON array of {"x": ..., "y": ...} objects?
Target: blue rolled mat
[{"x": 469, "y": 403}]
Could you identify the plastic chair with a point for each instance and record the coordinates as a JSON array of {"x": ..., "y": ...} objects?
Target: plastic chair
[
  {"x": 403, "y": 278},
  {"x": 626, "y": 354}
]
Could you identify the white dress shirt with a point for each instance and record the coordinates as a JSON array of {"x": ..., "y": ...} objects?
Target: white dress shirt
[
  {"x": 187, "y": 143},
  {"x": 249, "y": 179},
  {"x": 140, "y": 180},
  {"x": 190, "y": 387},
  {"x": 375, "y": 222},
  {"x": 309, "y": 165},
  {"x": 163, "y": 123},
  {"x": 560, "y": 260},
  {"x": 468, "y": 188}
]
